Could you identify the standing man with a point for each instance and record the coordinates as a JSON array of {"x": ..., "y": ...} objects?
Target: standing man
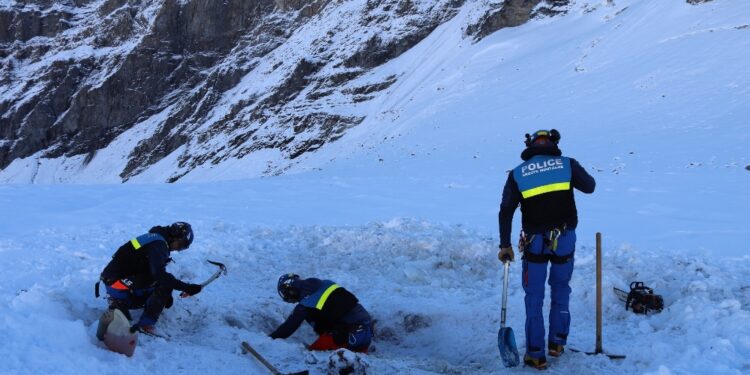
[
  {"x": 334, "y": 312},
  {"x": 543, "y": 185},
  {"x": 136, "y": 277}
]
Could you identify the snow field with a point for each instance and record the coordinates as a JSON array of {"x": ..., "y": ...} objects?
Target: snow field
[{"x": 435, "y": 290}]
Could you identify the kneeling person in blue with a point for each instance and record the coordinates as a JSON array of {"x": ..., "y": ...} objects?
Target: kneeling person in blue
[
  {"x": 543, "y": 185},
  {"x": 136, "y": 277},
  {"x": 334, "y": 313}
]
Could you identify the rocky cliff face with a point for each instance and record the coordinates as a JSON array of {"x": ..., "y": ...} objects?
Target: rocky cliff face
[
  {"x": 513, "y": 13},
  {"x": 205, "y": 81}
]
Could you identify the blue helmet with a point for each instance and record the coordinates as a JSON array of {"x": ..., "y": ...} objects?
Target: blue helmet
[
  {"x": 181, "y": 232},
  {"x": 287, "y": 291}
]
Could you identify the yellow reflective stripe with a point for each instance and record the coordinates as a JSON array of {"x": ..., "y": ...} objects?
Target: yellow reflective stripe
[
  {"x": 135, "y": 243},
  {"x": 324, "y": 297},
  {"x": 546, "y": 189}
]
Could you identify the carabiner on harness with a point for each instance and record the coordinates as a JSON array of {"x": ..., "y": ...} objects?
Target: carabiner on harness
[{"x": 554, "y": 234}]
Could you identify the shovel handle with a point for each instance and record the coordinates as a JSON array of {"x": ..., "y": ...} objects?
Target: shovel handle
[
  {"x": 506, "y": 265},
  {"x": 599, "y": 293},
  {"x": 249, "y": 349}
]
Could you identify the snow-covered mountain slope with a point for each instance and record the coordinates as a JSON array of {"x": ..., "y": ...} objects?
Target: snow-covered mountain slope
[
  {"x": 107, "y": 88},
  {"x": 651, "y": 97},
  {"x": 167, "y": 90}
]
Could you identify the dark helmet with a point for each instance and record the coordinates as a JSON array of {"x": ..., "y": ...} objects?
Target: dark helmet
[
  {"x": 286, "y": 290},
  {"x": 181, "y": 232},
  {"x": 543, "y": 138}
]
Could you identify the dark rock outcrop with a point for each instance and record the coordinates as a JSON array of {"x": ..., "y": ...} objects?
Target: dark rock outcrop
[
  {"x": 202, "y": 80},
  {"x": 514, "y": 13}
]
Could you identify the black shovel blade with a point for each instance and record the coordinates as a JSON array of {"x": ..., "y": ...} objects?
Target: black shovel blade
[
  {"x": 595, "y": 352},
  {"x": 506, "y": 342}
]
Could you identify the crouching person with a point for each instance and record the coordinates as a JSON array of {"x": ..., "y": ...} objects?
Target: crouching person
[
  {"x": 334, "y": 313},
  {"x": 136, "y": 277}
]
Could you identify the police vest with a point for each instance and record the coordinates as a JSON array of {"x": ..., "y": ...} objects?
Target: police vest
[
  {"x": 543, "y": 174},
  {"x": 130, "y": 259},
  {"x": 146, "y": 239},
  {"x": 330, "y": 302}
]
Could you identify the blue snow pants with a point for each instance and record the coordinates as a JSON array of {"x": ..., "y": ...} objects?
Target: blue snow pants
[
  {"x": 152, "y": 299},
  {"x": 534, "y": 275},
  {"x": 359, "y": 339}
]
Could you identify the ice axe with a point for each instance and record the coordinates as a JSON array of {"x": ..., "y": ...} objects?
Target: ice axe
[
  {"x": 222, "y": 270},
  {"x": 249, "y": 349},
  {"x": 506, "y": 340}
]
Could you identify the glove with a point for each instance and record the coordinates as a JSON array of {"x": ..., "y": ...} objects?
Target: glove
[
  {"x": 506, "y": 254},
  {"x": 169, "y": 301},
  {"x": 191, "y": 290}
]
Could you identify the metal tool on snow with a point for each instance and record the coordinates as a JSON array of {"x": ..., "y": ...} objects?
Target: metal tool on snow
[
  {"x": 249, "y": 349},
  {"x": 598, "y": 349},
  {"x": 222, "y": 270},
  {"x": 506, "y": 340}
]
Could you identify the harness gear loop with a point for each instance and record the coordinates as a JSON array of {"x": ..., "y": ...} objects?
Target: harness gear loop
[
  {"x": 551, "y": 241},
  {"x": 524, "y": 241}
]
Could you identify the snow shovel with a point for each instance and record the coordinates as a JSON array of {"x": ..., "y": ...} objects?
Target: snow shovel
[
  {"x": 506, "y": 340},
  {"x": 249, "y": 349},
  {"x": 222, "y": 270}
]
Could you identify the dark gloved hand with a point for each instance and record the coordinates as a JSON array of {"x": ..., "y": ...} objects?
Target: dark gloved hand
[
  {"x": 506, "y": 254},
  {"x": 169, "y": 301},
  {"x": 191, "y": 290}
]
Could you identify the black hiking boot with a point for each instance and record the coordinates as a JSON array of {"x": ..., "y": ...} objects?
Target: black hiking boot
[
  {"x": 555, "y": 350},
  {"x": 537, "y": 363}
]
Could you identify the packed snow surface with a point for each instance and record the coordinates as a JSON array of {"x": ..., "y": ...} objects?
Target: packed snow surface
[{"x": 435, "y": 287}]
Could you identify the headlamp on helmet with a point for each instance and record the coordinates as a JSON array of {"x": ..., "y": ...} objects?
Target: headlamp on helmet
[{"x": 542, "y": 138}]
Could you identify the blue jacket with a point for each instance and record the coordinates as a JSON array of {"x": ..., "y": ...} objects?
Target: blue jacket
[
  {"x": 546, "y": 192},
  {"x": 305, "y": 311},
  {"x": 143, "y": 260}
]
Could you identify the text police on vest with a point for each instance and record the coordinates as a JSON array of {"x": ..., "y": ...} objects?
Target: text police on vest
[{"x": 541, "y": 166}]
